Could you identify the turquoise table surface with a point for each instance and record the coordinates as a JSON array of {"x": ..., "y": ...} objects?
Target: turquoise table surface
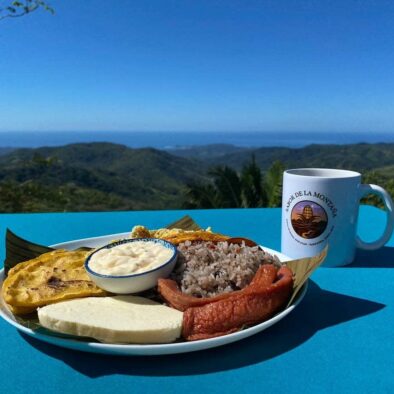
[{"x": 340, "y": 339}]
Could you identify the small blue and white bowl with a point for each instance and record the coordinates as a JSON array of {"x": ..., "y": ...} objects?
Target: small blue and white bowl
[{"x": 134, "y": 283}]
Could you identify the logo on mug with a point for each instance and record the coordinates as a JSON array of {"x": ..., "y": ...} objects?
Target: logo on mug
[{"x": 308, "y": 219}]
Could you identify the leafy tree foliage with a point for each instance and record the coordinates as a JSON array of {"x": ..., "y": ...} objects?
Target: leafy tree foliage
[
  {"x": 227, "y": 185},
  {"x": 273, "y": 184},
  {"x": 201, "y": 195},
  {"x": 254, "y": 194},
  {"x": 382, "y": 177},
  {"x": 228, "y": 189},
  {"x": 20, "y": 8}
]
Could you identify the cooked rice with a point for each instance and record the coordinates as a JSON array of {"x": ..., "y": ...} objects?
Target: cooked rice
[{"x": 207, "y": 269}]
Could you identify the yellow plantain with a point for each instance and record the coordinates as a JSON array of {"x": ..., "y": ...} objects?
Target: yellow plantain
[
  {"x": 20, "y": 310},
  {"x": 52, "y": 277}
]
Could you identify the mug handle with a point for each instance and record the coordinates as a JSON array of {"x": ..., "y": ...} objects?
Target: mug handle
[{"x": 388, "y": 202}]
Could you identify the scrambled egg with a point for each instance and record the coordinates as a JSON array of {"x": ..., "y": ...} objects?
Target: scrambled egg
[{"x": 177, "y": 235}]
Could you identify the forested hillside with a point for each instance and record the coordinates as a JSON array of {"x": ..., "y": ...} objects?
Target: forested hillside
[
  {"x": 96, "y": 176},
  {"x": 105, "y": 176},
  {"x": 358, "y": 157}
]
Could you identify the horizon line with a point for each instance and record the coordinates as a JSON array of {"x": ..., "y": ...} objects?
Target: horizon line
[{"x": 203, "y": 131}]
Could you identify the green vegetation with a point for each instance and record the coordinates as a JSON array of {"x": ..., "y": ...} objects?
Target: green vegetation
[
  {"x": 383, "y": 177},
  {"x": 357, "y": 157},
  {"x": 104, "y": 176},
  {"x": 228, "y": 189},
  {"x": 33, "y": 196},
  {"x": 93, "y": 177}
]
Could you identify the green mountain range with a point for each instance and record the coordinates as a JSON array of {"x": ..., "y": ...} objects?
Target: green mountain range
[
  {"x": 105, "y": 176},
  {"x": 358, "y": 157},
  {"x": 95, "y": 176}
]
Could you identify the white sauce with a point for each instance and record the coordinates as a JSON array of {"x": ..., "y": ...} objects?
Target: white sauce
[{"x": 130, "y": 258}]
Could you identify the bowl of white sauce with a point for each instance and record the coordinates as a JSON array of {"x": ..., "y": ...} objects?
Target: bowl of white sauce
[{"x": 131, "y": 265}]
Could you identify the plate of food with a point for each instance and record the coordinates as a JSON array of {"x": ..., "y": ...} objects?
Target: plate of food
[{"x": 149, "y": 292}]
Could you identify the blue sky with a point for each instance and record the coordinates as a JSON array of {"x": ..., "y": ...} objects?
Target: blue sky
[{"x": 200, "y": 65}]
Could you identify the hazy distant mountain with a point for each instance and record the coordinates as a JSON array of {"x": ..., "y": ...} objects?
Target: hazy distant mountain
[
  {"x": 359, "y": 157},
  {"x": 207, "y": 152},
  {"x": 4, "y": 151}
]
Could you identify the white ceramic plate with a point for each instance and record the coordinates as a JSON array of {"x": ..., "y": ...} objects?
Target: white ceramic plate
[{"x": 142, "y": 350}]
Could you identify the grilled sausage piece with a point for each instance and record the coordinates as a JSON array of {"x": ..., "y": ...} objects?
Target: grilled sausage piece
[
  {"x": 239, "y": 309},
  {"x": 169, "y": 290}
]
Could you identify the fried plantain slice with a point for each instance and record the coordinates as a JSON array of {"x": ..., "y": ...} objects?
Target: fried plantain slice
[
  {"x": 52, "y": 277},
  {"x": 20, "y": 310}
]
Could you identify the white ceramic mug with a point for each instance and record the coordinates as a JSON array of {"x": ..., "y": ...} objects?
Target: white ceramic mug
[{"x": 320, "y": 206}]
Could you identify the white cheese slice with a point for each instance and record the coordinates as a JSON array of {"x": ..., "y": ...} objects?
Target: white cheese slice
[{"x": 119, "y": 319}]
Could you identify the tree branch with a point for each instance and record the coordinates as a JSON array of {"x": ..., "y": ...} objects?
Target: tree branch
[{"x": 18, "y": 8}]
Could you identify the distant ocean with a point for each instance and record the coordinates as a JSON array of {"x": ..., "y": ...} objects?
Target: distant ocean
[{"x": 168, "y": 140}]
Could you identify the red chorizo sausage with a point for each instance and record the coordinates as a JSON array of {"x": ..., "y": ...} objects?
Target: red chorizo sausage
[
  {"x": 239, "y": 309},
  {"x": 168, "y": 289}
]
